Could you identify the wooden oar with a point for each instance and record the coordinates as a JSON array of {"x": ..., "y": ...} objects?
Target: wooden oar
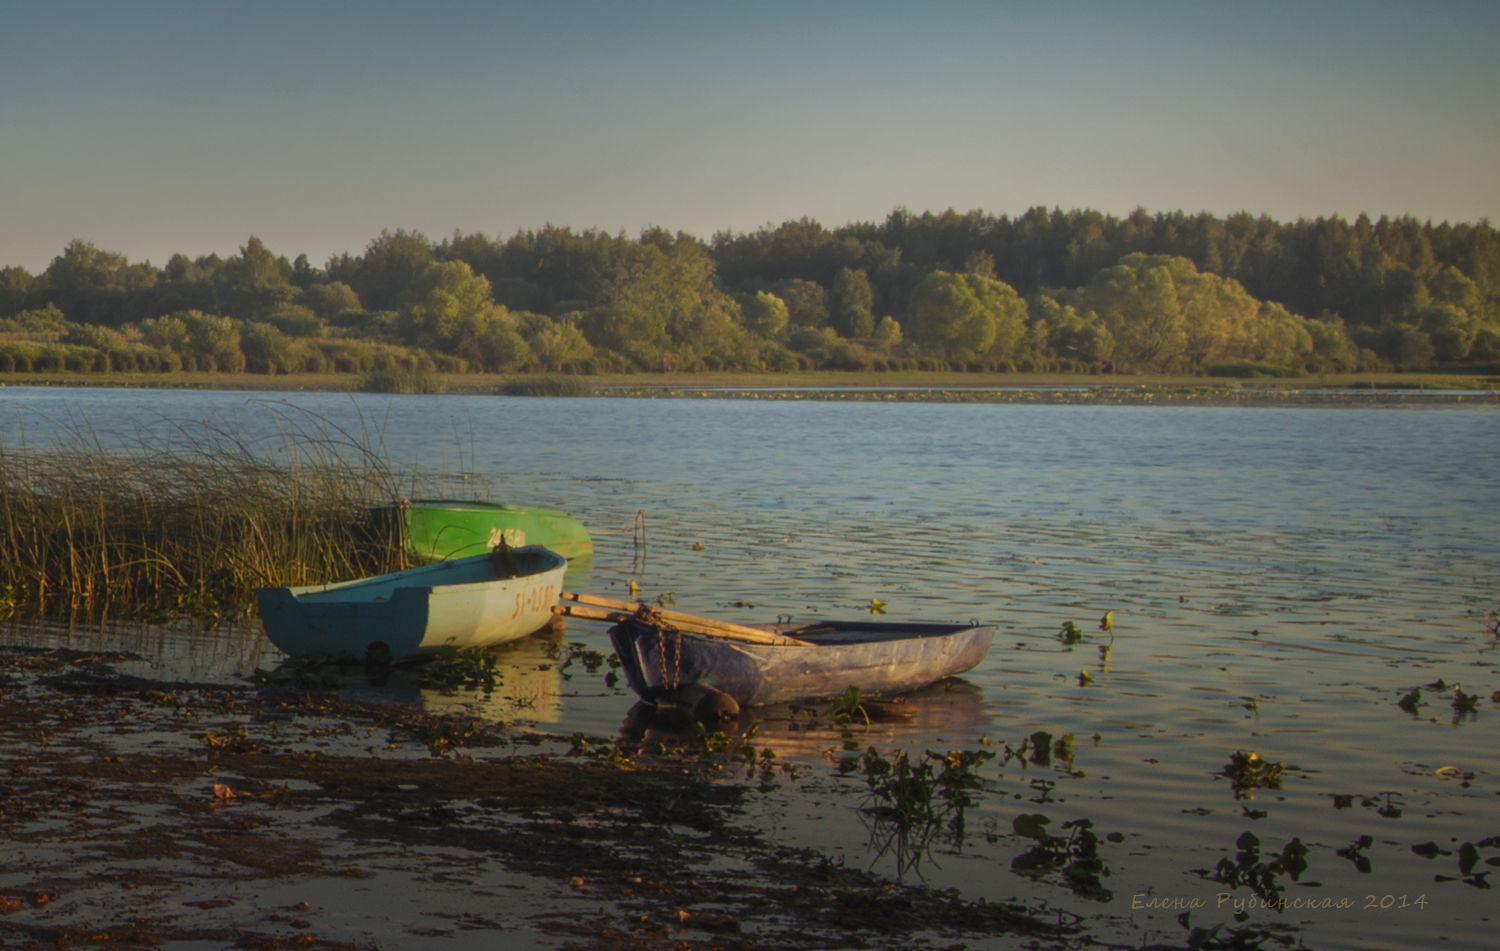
[
  {"x": 673, "y": 616},
  {"x": 625, "y": 610},
  {"x": 687, "y": 623},
  {"x": 811, "y": 630}
]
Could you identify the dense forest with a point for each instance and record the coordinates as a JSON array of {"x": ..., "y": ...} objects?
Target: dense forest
[{"x": 1073, "y": 291}]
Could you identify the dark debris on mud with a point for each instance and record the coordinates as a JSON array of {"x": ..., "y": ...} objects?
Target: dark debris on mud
[{"x": 123, "y": 803}]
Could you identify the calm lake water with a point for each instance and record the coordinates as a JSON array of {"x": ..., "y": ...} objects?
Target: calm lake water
[{"x": 1280, "y": 579}]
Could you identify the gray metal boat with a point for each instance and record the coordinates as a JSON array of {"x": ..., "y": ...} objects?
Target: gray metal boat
[{"x": 809, "y": 662}]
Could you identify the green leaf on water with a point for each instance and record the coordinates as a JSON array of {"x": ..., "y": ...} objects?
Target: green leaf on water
[
  {"x": 1031, "y": 825},
  {"x": 1041, "y": 748},
  {"x": 845, "y": 707},
  {"x": 1468, "y": 857}
]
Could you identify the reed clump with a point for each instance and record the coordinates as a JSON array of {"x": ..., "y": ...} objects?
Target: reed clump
[
  {"x": 187, "y": 523},
  {"x": 400, "y": 381},
  {"x": 547, "y": 386}
]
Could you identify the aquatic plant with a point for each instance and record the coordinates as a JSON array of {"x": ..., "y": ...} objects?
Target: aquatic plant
[
  {"x": 1040, "y": 744},
  {"x": 592, "y": 660},
  {"x": 1249, "y": 870},
  {"x": 1464, "y": 702},
  {"x": 846, "y": 706},
  {"x": 596, "y": 748},
  {"x": 233, "y": 740},
  {"x": 306, "y": 672},
  {"x": 911, "y": 804},
  {"x": 1076, "y": 856},
  {"x": 901, "y": 802},
  {"x": 1468, "y": 861},
  {"x": 1355, "y": 852},
  {"x": 445, "y": 735},
  {"x": 1247, "y": 772},
  {"x": 470, "y": 669},
  {"x": 187, "y": 520}
]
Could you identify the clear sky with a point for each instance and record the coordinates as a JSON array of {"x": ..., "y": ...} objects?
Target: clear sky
[{"x": 155, "y": 127}]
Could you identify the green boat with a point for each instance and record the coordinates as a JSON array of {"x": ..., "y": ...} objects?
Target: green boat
[{"x": 440, "y": 529}]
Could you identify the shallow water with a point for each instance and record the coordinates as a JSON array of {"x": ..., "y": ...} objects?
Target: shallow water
[{"x": 1279, "y": 577}]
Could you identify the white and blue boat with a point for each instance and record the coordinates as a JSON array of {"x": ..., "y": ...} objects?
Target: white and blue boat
[{"x": 466, "y": 602}]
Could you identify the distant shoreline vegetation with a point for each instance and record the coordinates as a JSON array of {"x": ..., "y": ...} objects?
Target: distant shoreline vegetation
[{"x": 1045, "y": 292}]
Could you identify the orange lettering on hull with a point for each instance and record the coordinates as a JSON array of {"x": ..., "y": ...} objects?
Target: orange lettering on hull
[{"x": 537, "y": 598}]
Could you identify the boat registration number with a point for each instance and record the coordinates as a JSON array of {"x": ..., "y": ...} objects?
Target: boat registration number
[
  {"x": 536, "y": 598},
  {"x": 513, "y": 537}
]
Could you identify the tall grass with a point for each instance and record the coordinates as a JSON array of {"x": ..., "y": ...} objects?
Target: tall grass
[
  {"x": 547, "y": 386},
  {"x": 186, "y": 522},
  {"x": 400, "y": 381}
]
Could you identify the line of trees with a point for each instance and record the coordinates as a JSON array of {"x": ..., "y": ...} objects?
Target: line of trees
[{"x": 1048, "y": 290}]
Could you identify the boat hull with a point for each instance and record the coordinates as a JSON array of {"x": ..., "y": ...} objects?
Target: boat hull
[
  {"x": 458, "y": 603},
  {"x": 880, "y": 659},
  {"x": 439, "y": 529}
]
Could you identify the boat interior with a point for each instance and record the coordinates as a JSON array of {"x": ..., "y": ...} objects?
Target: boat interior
[
  {"x": 479, "y": 569},
  {"x": 864, "y": 632}
]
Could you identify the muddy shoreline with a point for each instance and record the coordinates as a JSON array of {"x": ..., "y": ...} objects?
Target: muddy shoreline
[
  {"x": 1083, "y": 396},
  {"x": 1385, "y": 390},
  {"x": 137, "y": 813}
]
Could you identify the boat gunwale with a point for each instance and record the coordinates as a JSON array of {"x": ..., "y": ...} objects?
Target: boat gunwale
[
  {"x": 913, "y": 629},
  {"x": 438, "y": 566},
  {"x": 892, "y": 629},
  {"x": 468, "y": 505}
]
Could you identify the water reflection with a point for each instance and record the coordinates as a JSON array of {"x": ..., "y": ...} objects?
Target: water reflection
[
  {"x": 181, "y": 651},
  {"x": 806, "y": 732},
  {"x": 528, "y": 687}
]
